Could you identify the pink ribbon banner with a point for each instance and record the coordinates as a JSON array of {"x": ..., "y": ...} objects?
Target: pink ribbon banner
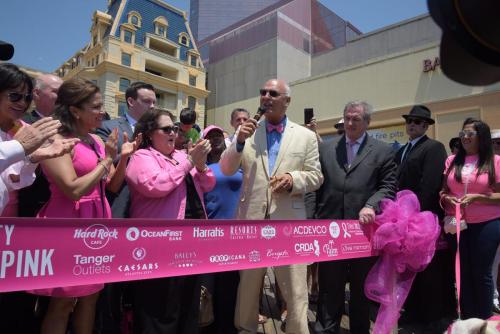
[{"x": 47, "y": 253}]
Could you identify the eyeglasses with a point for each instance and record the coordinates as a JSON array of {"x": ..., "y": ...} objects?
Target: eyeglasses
[
  {"x": 169, "y": 128},
  {"x": 415, "y": 121},
  {"x": 467, "y": 134},
  {"x": 16, "y": 97},
  {"x": 272, "y": 93}
]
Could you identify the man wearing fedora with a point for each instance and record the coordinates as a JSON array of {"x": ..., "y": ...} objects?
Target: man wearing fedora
[{"x": 420, "y": 169}]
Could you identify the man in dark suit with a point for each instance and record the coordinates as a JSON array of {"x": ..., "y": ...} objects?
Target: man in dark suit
[
  {"x": 32, "y": 198},
  {"x": 420, "y": 169},
  {"x": 140, "y": 97},
  {"x": 359, "y": 172}
]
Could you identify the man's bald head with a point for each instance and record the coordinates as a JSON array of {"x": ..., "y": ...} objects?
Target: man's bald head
[
  {"x": 275, "y": 98},
  {"x": 45, "y": 93}
]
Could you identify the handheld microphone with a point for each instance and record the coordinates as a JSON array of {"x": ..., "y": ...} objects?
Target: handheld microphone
[{"x": 261, "y": 111}]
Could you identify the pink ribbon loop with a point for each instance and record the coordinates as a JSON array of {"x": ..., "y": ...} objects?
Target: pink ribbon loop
[{"x": 406, "y": 239}]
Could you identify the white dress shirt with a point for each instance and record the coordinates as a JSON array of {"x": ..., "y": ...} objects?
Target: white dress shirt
[{"x": 17, "y": 171}]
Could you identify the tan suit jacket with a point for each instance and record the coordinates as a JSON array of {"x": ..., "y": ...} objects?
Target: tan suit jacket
[{"x": 298, "y": 155}]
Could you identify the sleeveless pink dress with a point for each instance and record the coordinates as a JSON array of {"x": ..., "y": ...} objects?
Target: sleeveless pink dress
[{"x": 89, "y": 206}]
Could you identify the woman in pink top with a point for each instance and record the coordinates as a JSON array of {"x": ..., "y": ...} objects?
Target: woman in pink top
[
  {"x": 472, "y": 180},
  {"x": 77, "y": 182},
  {"x": 169, "y": 184}
]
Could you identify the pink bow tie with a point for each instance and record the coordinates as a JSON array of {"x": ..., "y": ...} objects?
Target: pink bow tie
[{"x": 278, "y": 128}]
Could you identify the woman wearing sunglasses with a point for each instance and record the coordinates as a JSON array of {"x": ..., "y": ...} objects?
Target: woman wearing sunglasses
[
  {"x": 169, "y": 184},
  {"x": 472, "y": 181},
  {"x": 77, "y": 181}
]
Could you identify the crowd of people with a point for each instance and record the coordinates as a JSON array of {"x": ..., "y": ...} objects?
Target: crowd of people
[{"x": 144, "y": 164}]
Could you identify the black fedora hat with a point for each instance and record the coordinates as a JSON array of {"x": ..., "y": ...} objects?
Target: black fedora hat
[
  {"x": 6, "y": 50},
  {"x": 421, "y": 112},
  {"x": 470, "y": 45}
]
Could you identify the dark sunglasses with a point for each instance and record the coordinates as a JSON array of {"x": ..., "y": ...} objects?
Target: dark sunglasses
[
  {"x": 272, "y": 93},
  {"x": 467, "y": 134},
  {"x": 415, "y": 121},
  {"x": 169, "y": 128},
  {"x": 16, "y": 97}
]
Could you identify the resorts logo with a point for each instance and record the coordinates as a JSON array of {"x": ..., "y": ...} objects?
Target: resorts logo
[
  {"x": 96, "y": 236},
  {"x": 133, "y": 233},
  {"x": 242, "y": 232}
]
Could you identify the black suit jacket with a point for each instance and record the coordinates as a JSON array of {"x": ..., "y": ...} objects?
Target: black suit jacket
[
  {"x": 120, "y": 201},
  {"x": 345, "y": 191},
  {"x": 32, "y": 198},
  {"x": 422, "y": 172}
]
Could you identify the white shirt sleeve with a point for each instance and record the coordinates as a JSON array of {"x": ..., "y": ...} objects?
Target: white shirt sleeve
[
  {"x": 11, "y": 151},
  {"x": 4, "y": 196},
  {"x": 18, "y": 175}
]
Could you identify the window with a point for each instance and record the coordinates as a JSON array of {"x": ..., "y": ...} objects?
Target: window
[
  {"x": 94, "y": 40},
  {"x": 88, "y": 63},
  {"x": 127, "y": 36},
  {"x": 93, "y": 62},
  {"x": 161, "y": 25},
  {"x": 122, "y": 108},
  {"x": 124, "y": 84},
  {"x": 184, "y": 39},
  {"x": 191, "y": 102},
  {"x": 126, "y": 59},
  {"x": 194, "y": 61},
  {"x": 134, "y": 18},
  {"x": 97, "y": 59},
  {"x": 161, "y": 30},
  {"x": 192, "y": 80}
]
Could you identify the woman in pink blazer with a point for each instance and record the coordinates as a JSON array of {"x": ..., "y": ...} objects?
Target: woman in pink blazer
[{"x": 169, "y": 184}]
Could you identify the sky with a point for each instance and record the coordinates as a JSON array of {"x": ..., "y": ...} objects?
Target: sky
[{"x": 46, "y": 33}]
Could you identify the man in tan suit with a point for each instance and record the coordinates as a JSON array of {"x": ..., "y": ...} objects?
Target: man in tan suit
[{"x": 280, "y": 163}]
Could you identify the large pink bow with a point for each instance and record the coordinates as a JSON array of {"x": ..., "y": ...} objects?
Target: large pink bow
[{"x": 406, "y": 239}]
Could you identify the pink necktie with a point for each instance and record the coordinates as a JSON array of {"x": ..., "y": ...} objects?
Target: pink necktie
[
  {"x": 350, "y": 152},
  {"x": 279, "y": 128}
]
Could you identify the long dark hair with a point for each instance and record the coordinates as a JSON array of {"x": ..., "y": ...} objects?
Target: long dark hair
[
  {"x": 486, "y": 163},
  {"x": 74, "y": 92},
  {"x": 148, "y": 123}
]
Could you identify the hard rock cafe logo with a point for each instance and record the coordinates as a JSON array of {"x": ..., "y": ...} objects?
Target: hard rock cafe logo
[{"x": 96, "y": 236}]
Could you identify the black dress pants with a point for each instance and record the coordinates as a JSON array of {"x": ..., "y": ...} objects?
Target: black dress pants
[
  {"x": 167, "y": 305},
  {"x": 332, "y": 277}
]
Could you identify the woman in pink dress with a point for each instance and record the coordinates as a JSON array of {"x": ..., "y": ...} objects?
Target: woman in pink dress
[{"x": 77, "y": 181}]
